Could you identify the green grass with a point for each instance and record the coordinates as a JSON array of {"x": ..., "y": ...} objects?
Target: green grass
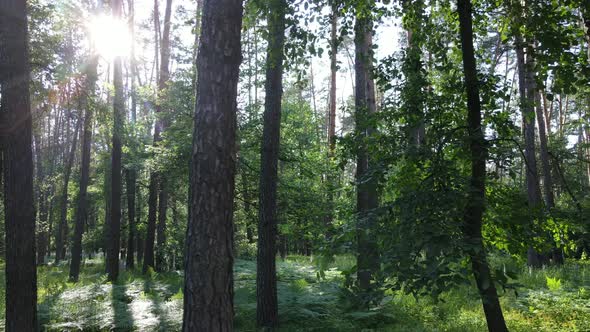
[{"x": 552, "y": 299}]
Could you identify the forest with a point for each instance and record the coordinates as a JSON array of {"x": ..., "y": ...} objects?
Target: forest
[{"x": 295, "y": 165}]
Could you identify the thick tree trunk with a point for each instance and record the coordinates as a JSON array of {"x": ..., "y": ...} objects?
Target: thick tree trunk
[
  {"x": 16, "y": 136},
  {"x": 208, "y": 291},
  {"x": 367, "y": 196},
  {"x": 472, "y": 219},
  {"x": 62, "y": 233},
  {"x": 266, "y": 279},
  {"x": 82, "y": 209},
  {"x": 114, "y": 238}
]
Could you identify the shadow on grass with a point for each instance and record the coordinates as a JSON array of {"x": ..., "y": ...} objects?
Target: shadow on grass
[{"x": 122, "y": 319}]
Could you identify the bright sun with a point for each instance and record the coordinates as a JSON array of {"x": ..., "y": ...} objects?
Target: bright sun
[{"x": 111, "y": 36}]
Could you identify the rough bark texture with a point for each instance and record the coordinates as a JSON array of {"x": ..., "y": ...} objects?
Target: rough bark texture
[
  {"x": 114, "y": 238},
  {"x": 367, "y": 197},
  {"x": 266, "y": 279},
  {"x": 16, "y": 134},
  {"x": 208, "y": 291},
  {"x": 82, "y": 208},
  {"x": 472, "y": 219}
]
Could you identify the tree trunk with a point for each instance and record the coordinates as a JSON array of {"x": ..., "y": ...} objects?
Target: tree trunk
[
  {"x": 161, "y": 231},
  {"x": 266, "y": 279},
  {"x": 208, "y": 291},
  {"x": 148, "y": 248},
  {"x": 130, "y": 182},
  {"x": 21, "y": 273},
  {"x": 41, "y": 202},
  {"x": 82, "y": 209},
  {"x": 62, "y": 226},
  {"x": 544, "y": 153},
  {"x": 472, "y": 219},
  {"x": 161, "y": 124},
  {"x": 367, "y": 197},
  {"x": 131, "y": 173},
  {"x": 118, "y": 118},
  {"x": 332, "y": 112}
]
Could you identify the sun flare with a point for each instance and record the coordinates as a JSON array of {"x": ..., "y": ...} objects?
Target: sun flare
[{"x": 110, "y": 36}]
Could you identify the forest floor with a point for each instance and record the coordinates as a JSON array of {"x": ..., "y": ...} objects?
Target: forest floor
[{"x": 552, "y": 299}]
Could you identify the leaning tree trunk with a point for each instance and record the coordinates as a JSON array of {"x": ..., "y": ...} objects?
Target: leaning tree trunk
[
  {"x": 82, "y": 209},
  {"x": 472, "y": 218},
  {"x": 367, "y": 197},
  {"x": 266, "y": 278},
  {"x": 16, "y": 137},
  {"x": 208, "y": 290},
  {"x": 114, "y": 238}
]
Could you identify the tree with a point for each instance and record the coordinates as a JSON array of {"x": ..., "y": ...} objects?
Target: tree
[
  {"x": 16, "y": 137},
  {"x": 114, "y": 242},
  {"x": 157, "y": 190},
  {"x": 365, "y": 107},
  {"x": 472, "y": 218},
  {"x": 62, "y": 233},
  {"x": 266, "y": 278},
  {"x": 82, "y": 205},
  {"x": 208, "y": 290}
]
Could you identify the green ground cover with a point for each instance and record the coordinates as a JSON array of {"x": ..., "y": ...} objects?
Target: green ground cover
[{"x": 551, "y": 299}]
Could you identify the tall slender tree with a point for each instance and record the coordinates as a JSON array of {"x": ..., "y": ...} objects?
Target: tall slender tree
[
  {"x": 114, "y": 239},
  {"x": 86, "y": 103},
  {"x": 472, "y": 218},
  {"x": 208, "y": 290},
  {"x": 365, "y": 107},
  {"x": 17, "y": 156},
  {"x": 266, "y": 275},
  {"x": 158, "y": 195},
  {"x": 131, "y": 172},
  {"x": 61, "y": 235}
]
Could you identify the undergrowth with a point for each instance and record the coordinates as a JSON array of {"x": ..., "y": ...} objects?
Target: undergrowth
[{"x": 549, "y": 299}]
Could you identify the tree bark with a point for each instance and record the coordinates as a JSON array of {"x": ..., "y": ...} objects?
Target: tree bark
[
  {"x": 82, "y": 209},
  {"x": 472, "y": 219},
  {"x": 266, "y": 279},
  {"x": 16, "y": 134},
  {"x": 367, "y": 196},
  {"x": 208, "y": 291},
  {"x": 116, "y": 186}
]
